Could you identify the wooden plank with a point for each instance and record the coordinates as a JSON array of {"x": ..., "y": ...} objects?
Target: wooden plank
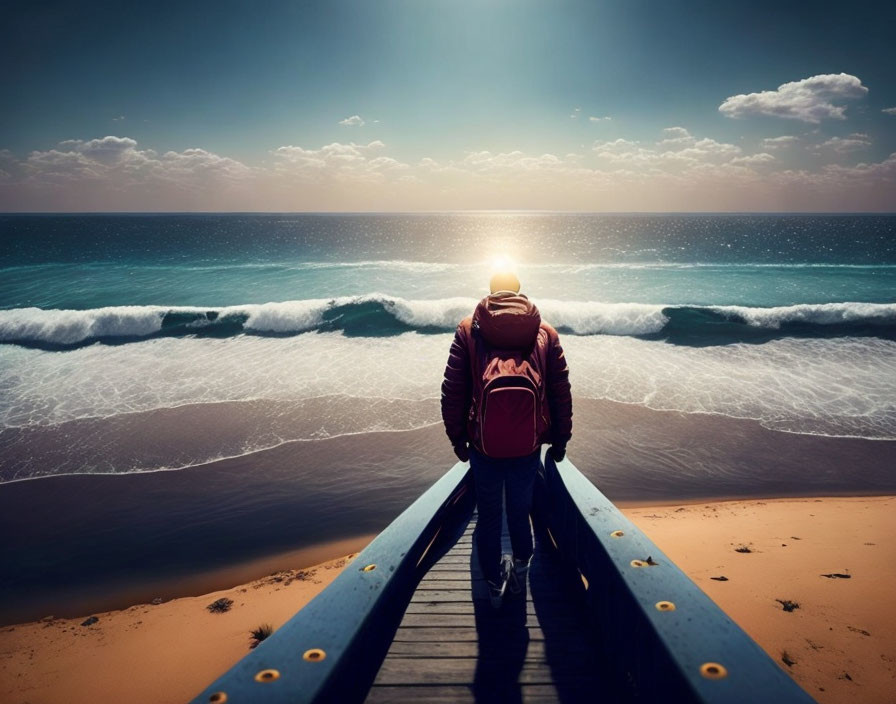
[
  {"x": 535, "y": 649},
  {"x": 423, "y": 634},
  {"x": 462, "y": 671},
  {"x": 452, "y": 607},
  {"x": 450, "y": 559},
  {"x": 450, "y": 572},
  {"x": 528, "y": 694},
  {"x": 440, "y": 584},
  {"x": 431, "y": 595},
  {"x": 558, "y": 625}
]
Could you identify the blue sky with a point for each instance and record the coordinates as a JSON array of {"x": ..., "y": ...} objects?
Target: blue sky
[{"x": 461, "y": 101}]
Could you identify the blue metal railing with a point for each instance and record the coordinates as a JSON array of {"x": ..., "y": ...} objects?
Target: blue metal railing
[
  {"x": 330, "y": 651},
  {"x": 664, "y": 638},
  {"x": 661, "y": 638}
]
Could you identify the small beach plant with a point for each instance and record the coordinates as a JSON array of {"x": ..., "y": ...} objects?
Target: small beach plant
[
  {"x": 220, "y": 605},
  {"x": 260, "y": 633}
]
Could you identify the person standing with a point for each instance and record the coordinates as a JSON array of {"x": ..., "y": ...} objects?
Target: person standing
[{"x": 505, "y": 393}]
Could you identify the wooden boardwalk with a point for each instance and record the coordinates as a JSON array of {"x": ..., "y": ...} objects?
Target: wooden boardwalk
[{"x": 452, "y": 646}]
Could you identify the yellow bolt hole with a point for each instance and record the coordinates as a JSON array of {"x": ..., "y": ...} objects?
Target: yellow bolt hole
[
  {"x": 368, "y": 568},
  {"x": 639, "y": 563},
  {"x": 267, "y": 676},
  {"x": 218, "y": 697},
  {"x": 665, "y": 606},
  {"x": 617, "y": 534},
  {"x": 713, "y": 671},
  {"x": 314, "y": 655}
]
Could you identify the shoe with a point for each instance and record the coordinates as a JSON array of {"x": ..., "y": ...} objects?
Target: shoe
[
  {"x": 518, "y": 574},
  {"x": 496, "y": 593}
]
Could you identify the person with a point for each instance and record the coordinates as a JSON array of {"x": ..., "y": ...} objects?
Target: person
[{"x": 505, "y": 393}]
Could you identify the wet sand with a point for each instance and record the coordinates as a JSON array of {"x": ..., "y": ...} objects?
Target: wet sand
[{"x": 100, "y": 542}]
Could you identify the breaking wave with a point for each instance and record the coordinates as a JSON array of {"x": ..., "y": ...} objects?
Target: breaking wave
[{"x": 380, "y": 315}]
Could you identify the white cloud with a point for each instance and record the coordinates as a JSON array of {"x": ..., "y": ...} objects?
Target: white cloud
[
  {"x": 808, "y": 100},
  {"x": 605, "y": 118},
  {"x": 779, "y": 142},
  {"x": 106, "y": 150},
  {"x": 845, "y": 145},
  {"x": 678, "y": 171},
  {"x": 761, "y": 158},
  {"x": 353, "y": 121},
  {"x": 575, "y": 113},
  {"x": 676, "y": 132},
  {"x": 680, "y": 150},
  {"x": 116, "y": 162},
  {"x": 889, "y": 111},
  {"x": 610, "y": 147},
  {"x": 336, "y": 161}
]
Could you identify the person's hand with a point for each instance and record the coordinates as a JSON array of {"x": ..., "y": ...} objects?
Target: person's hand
[
  {"x": 558, "y": 453},
  {"x": 462, "y": 451}
]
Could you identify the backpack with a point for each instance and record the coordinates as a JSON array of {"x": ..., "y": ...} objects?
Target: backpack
[{"x": 506, "y": 414}]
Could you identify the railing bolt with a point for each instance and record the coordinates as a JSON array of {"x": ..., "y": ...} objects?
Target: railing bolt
[
  {"x": 267, "y": 675},
  {"x": 314, "y": 655},
  {"x": 368, "y": 568},
  {"x": 713, "y": 671},
  {"x": 617, "y": 534},
  {"x": 665, "y": 606},
  {"x": 218, "y": 697}
]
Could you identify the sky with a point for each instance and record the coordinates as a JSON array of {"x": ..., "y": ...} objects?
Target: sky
[{"x": 403, "y": 105}]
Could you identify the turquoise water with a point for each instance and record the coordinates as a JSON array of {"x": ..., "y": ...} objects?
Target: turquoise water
[{"x": 789, "y": 320}]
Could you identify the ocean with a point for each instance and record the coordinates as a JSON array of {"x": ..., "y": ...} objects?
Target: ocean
[{"x": 284, "y": 369}]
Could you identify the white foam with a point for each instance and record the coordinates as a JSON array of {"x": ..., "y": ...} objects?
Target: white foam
[
  {"x": 594, "y": 318},
  {"x": 838, "y": 387},
  {"x": 818, "y": 314},
  {"x": 843, "y": 386},
  {"x": 289, "y": 316},
  {"x": 68, "y": 327}
]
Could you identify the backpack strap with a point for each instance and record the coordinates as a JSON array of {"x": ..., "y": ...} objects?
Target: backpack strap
[{"x": 473, "y": 355}]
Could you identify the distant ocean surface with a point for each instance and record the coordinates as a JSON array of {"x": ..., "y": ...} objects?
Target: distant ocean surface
[{"x": 306, "y": 327}]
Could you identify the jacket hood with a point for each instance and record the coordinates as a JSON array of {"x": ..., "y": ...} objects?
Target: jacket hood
[{"x": 507, "y": 320}]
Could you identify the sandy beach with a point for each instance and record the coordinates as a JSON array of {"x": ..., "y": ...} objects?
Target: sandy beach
[{"x": 833, "y": 557}]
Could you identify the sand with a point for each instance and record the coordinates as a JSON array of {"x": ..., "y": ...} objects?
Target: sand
[
  {"x": 840, "y": 642},
  {"x": 149, "y": 653}
]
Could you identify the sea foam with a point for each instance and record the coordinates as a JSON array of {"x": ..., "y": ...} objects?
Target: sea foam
[{"x": 382, "y": 314}]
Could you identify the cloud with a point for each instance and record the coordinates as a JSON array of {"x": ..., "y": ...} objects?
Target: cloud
[
  {"x": 676, "y": 132},
  {"x": 889, "y": 111},
  {"x": 785, "y": 140},
  {"x": 852, "y": 143},
  {"x": 336, "y": 161},
  {"x": 677, "y": 171},
  {"x": 353, "y": 121},
  {"x": 117, "y": 163},
  {"x": 678, "y": 151},
  {"x": 761, "y": 158},
  {"x": 605, "y": 118},
  {"x": 808, "y": 100},
  {"x": 106, "y": 150},
  {"x": 575, "y": 113}
]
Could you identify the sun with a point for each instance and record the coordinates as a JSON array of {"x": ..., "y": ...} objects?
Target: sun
[{"x": 502, "y": 263}]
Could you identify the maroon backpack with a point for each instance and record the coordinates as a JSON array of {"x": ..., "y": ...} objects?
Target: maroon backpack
[{"x": 508, "y": 398}]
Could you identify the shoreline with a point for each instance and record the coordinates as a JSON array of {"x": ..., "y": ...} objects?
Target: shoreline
[{"x": 839, "y": 641}]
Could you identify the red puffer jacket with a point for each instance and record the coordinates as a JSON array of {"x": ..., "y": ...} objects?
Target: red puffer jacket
[{"x": 506, "y": 321}]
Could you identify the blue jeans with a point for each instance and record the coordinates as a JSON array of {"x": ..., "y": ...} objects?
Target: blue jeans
[{"x": 492, "y": 478}]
